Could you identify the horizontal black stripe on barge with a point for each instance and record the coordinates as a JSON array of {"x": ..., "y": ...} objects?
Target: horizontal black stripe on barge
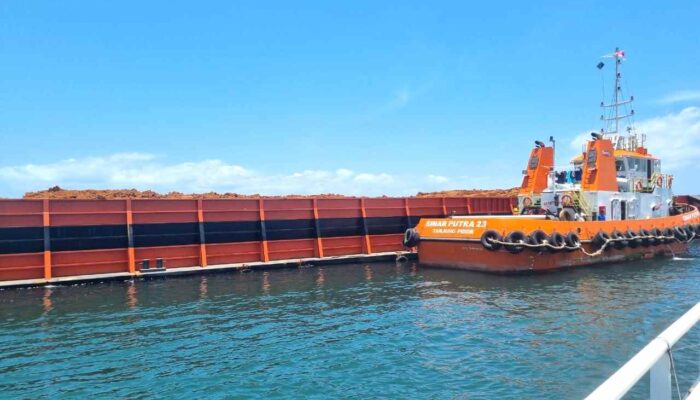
[{"x": 99, "y": 237}]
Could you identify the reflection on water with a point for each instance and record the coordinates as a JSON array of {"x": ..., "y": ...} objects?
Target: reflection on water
[{"x": 379, "y": 330}]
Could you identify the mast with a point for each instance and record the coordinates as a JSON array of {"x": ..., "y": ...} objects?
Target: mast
[
  {"x": 617, "y": 89},
  {"x": 612, "y": 120}
]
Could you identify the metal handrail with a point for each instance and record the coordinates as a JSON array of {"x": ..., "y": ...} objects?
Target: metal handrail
[{"x": 653, "y": 358}]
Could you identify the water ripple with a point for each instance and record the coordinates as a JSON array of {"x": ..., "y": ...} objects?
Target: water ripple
[{"x": 353, "y": 331}]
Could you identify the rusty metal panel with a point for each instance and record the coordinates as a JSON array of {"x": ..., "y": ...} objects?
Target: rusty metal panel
[
  {"x": 230, "y": 210},
  {"x": 16, "y": 213},
  {"x": 339, "y": 246},
  {"x": 87, "y": 212},
  {"x": 384, "y": 207},
  {"x": 291, "y": 249},
  {"x": 164, "y": 211},
  {"x": 174, "y": 256},
  {"x": 21, "y": 266},
  {"x": 456, "y": 205},
  {"x": 339, "y": 208},
  {"x": 429, "y": 206},
  {"x": 282, "y": 209},
  {"x": 86, "y": 262},
  {"x": 231, "y": 253},
  {"x": 382, "y": 243}
]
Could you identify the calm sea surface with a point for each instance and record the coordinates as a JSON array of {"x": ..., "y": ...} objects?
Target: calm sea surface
[{"x": 351, "y": 331}]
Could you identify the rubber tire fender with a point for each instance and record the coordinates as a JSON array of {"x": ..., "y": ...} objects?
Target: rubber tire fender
[
  {"x": 656, "y": 232},
  {"x": 668, "y": 232},
  {"x": 633, "y": 241},
  {"x": 696, "y": 229},
  {"x": 536, "y": 238},
  {"x": 689, "y": 231},
  {"x": 679, "y": 233},
  {"x": 618, "y": 235},
  {"x": 488, "y": 245},
  {"x": 572, "y": 240},
  {"x": 600, "y": 238},
  {"x": 411, "y": 238},
  {"x": 515, "y": 237},
  {"x": 646, "y": 242},
  {"x": 556, "y": 239}
]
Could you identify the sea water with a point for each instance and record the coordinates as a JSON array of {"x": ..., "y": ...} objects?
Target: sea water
[{"x": 359, "y": 331}]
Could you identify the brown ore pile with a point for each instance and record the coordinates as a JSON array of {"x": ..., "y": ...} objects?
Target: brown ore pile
[{"x": 106, "y": 194}]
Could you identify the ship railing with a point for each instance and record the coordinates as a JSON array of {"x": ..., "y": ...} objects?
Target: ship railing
[
  {"x": 580, "y": 200},
  {"x": 655, "y": 358},
  {"x": 648, "y": 185}
]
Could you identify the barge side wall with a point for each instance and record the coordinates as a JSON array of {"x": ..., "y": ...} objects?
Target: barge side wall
[{"x": 44, "y": 239}]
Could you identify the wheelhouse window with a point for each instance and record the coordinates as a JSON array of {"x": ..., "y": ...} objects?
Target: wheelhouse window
[
  {"x": 592, "y": 158},
  {"x": 534, "y": 161},
  {"x": 637, "y": 165},
  {"x": 621, "y": 167}
]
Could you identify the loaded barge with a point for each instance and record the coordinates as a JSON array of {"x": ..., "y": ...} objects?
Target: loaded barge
[
  {"x": 613, "y": 204},
  {"x": 51, "y": 241}
]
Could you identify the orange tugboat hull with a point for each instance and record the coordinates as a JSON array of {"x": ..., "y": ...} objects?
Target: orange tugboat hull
[
  {"x": 471, "y": 255},
  {"x": 460, "y": 243}
]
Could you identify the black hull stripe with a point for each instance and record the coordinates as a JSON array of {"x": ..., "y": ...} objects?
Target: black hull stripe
[{"x": 97, "y": 237}]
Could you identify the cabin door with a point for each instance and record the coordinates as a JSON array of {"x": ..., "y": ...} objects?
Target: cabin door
[
  {"x": 632, "y": 210},
  {"x": 615, "y": 210},
  {"x": 623, "y": 210}
]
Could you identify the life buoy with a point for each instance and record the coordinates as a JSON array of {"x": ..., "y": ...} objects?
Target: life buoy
[
  {"x": 527, "y": 202},
  {"x": 659, "y": 181},
  {"x": 638, "y": 186},
  {"x": 567, "y": 200}
]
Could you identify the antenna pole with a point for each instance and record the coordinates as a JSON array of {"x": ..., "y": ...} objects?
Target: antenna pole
[{"x": 617, "y": 90}]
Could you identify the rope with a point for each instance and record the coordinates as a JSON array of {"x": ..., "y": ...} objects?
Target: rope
[
  {"x": 673, "y": 370},
  {"x": 596, "y": 253}
]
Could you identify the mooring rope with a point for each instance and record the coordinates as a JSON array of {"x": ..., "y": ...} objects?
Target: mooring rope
[{"x": 596, "y": 253}]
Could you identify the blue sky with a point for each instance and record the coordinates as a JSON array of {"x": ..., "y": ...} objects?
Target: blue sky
[{"x": 364, "y": 97}]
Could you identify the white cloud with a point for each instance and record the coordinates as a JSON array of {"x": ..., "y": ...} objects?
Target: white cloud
[
  {"x": 675, "y": 138},
  {"x": 146, "y": 171},
  {"x": 681, "y": 97},
  {"x": 579, "y": 141},
  {"x": 438, "y": 178}
]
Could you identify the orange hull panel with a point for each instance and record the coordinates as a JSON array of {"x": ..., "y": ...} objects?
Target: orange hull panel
[{"x": 471, "y": 255}]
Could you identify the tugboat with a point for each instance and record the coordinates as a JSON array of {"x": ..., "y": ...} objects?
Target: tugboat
[{"x": 612, "y": 204}]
